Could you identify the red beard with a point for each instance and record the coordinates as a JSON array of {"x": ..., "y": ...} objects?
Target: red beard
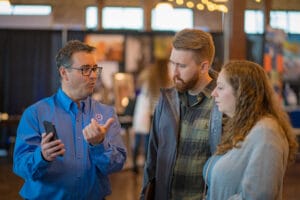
[{"x": 183, "y": 86}]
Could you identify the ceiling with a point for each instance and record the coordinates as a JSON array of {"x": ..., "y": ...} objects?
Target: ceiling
[{"x": 251, "y": 4}]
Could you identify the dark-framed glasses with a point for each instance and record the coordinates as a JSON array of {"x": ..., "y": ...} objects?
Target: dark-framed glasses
[{"x": 86, "y": 70}]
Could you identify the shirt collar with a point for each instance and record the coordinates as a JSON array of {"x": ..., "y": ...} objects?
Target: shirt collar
[
  {"x": 206, "y": 92},
  {"x": 68, "y": 104}
]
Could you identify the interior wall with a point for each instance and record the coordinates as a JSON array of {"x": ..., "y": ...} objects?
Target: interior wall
[{"x": 71, "y": 13}]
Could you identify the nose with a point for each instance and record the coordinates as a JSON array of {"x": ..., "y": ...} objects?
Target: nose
[
  {"x": 94, "y": 74},
  {"x": 214, "y": 93},
  {"x": 175, "y": 70}
]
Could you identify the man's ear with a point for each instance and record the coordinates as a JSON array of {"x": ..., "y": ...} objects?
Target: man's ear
[
  {"x": 63, "y": 73},
  {"x": 205, "y": 66}
]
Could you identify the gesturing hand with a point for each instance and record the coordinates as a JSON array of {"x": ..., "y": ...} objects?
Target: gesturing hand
[
  {"x": 94, "y": 133},
  {"x": 51, "y": 149}
]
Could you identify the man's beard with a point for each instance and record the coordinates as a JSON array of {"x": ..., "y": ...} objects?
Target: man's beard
[{"x": 182, "y": 86}]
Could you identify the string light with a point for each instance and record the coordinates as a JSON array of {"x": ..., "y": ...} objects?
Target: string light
[
  {"x": 211, "y": 5},
  {"x": 5, "y": 3},
  {"x": 164, "y": 5},
  {"x": 190, "y": 4},
  {"x": 200, "y": 6}
]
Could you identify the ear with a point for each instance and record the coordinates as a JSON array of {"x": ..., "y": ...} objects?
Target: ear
[
  {"x": 205, "y": 66},
  {"x": 63, "y": 73}
]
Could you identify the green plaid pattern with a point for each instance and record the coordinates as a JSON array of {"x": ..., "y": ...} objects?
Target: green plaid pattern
[{"x": 193, "y": 147}]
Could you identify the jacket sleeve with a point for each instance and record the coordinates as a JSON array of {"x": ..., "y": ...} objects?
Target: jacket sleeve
[
  {"x": 110, "y": 155},
  {"x": 28, "y": 160},
  {"x": 263, "y": 177},
  {"x": 150, "y": 163}
]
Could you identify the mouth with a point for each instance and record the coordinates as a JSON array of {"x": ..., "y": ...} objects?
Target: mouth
[
  {"x": 177, "y": 80},
  {"x": 92, "y": 84}
]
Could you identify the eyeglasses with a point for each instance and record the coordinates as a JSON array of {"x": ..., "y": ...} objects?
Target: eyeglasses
[{"x": 86, "y": 70}]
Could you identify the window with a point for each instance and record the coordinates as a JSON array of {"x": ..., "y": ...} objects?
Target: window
[
  {"x": 293, "y": 22},
  {"x": 171, "y": 19},
  {"x": 122, "y": 18},
  {"x": 25, "y": 10},
  {"x": 254, "y": 20},
  {"x": 285, "y": 20},
  {"x": 91, "y": 17},
  {"x": 115, "y": 18},
  {"x": 278, "y": 19}
]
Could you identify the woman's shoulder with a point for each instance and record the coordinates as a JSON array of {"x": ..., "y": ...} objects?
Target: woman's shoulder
[
  {"x": 267, "y": 128},
  {"x": 267, "y": 123}
]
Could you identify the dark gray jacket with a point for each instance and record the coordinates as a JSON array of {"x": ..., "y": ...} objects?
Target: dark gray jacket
[{"x": 163, "y": 142}]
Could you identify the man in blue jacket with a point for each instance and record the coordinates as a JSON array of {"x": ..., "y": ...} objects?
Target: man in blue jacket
[
  {"x": 186, "y": 126},
  {"x": 88, "y": 148}
]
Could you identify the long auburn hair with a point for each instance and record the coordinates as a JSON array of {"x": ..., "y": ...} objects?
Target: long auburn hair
[{"x": 255, "y": 99}]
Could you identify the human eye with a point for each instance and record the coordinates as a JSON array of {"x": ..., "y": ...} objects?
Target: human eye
[
  {"x": 219, "y": 87},
  {"x": 175, "y": 64},
  {"x": 86, "y": 68},
  {"x": 95, "y": 68},
  {"x": 171, "y": 63},
  {"x": 181, "y": 65}
]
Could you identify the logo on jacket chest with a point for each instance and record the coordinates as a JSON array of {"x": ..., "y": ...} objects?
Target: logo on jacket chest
[{"x": 98, "y": 117}]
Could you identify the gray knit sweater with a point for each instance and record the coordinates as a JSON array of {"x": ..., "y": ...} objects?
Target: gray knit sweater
[{"x": 254, "y": 171}]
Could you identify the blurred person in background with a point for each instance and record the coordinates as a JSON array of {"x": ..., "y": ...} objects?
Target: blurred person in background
[
  {"x": 151, "y": 79},
  {"x": 101, "y": 93}
]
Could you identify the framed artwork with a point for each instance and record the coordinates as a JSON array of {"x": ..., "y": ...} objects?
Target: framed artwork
[
  {"x": 138, "y": 52},
  {"x": 108, "y": 47},
  {"x": 162, "y": 46},
  {"x": 123, "y": 90}
]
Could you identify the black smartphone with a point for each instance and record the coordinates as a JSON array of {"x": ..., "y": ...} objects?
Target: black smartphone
[{"x": 49, "y": 127}]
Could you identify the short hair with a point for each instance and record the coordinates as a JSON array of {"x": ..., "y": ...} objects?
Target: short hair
[
  {"x": 63, "y": 57},
  {"x": 198, "y": 41}
]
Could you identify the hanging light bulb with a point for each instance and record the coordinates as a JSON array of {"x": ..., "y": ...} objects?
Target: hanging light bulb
[
  {"x": 5, "y": 3},
  {"x": 222, "y": 8},
  {"x": 211, "y": 6},
  {"x": 200, "y": 6},
  {"x": 164, "y": 5},
  {"x": 5, "y": 6},
  {"x": 190, "y": 4},
  {"x": 179, "y": 2},
  {"x": 220, "y": 1}
]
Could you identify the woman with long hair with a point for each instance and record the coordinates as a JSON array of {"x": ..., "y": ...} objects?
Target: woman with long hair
[{"x": 258, "y": 141}]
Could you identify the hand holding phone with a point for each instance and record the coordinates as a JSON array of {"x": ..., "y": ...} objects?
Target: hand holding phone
[
  {"x": 49, "y": 127},
  {"x": 57, "y": 149}
]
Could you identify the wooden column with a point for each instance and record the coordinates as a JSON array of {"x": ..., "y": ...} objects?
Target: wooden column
[
  {"x": 234, "y": 35},
  {"x": 147, "y": 6},
  {"x": 100, "y": 5},
  {"x": 267, "y": 6}
]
